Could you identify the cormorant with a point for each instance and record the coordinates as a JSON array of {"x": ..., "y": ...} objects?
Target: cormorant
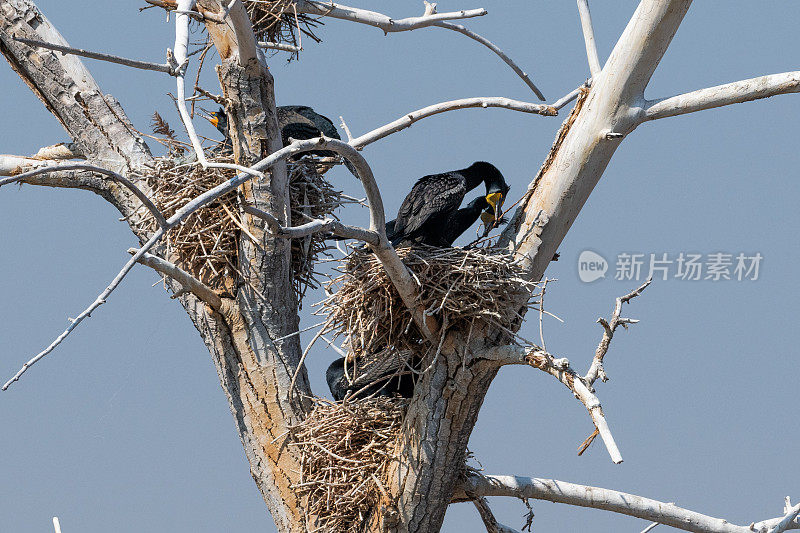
[
  {"x": 456, "y": 224},
  {"x": 297, "y": 122},
  {"x": 387, "y": 385},
  {"x": 427, "y": 209}
]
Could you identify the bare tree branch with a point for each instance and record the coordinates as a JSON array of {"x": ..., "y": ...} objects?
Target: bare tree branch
[
  {"x": 610, "y": 500},
  {"x": 722, "y": 95},
  {"x": 567, "y": 98},
  {"x": 59, "y": 151},
  {"x": 596, "y": 369},
  {"x": 188, "y": 282},
  {"x": 327, "y": 225},
  {"x": 144, "y": 65},
  {"x": 11, "y": 165},
  {"x": 247, "y": 51},
  {"x": 489, "y": 521},
  {"x": 587, "y": 143},
  {"x": 429, "y": 18},
  {"x": 379, "y": 20},
  {"x": 563, "y": 372},
  {"x": 279, "y": 46},
  {"x": 464, "y": 103},
  {"x": 94, "y": 120},
  {"x": 494, "y": 48},
  {"x": 588, "y": 37},
  {"x": 395, "y": 269},
  {"x": 100, "y": 300},
  {"x": 98, "y": 170},
  {"x": 788, "y": 521}
]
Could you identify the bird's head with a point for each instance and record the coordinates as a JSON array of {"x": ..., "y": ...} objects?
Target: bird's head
[
  {"x": 496, "y": 186},
  {"x": 218, "y": 119}
]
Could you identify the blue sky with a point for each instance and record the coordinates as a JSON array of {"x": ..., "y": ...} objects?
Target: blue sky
[{"x": 125, "y": 425}]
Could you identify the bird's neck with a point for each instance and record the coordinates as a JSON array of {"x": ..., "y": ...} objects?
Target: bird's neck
[{"x": 472, "y": 177}]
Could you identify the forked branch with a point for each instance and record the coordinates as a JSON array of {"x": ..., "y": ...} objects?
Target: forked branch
[
  {"x": 395, "y": 268},
  {"x": 560, "y": 369},
  {"x": 596, "y": 369},
  {"x": 326, "y": 225}
]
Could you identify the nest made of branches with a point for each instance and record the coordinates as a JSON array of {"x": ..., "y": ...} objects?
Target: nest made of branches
[
  {"x": 311, "y": 197},
  {"x": 346, "y": 449},
  {"x": 464, "y": 288},
  {"x": 278, "y": 21},
  {"x": 207, "y": 242}
]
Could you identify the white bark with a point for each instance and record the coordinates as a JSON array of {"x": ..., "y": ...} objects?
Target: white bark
[
  {"x": 611, "y": 107},
  {"x": 188, "y": 282},
  {"x": 588, "y": 37},
  {"x": 379, "y": 20},
  {"x": 610, "y": 500},
  {"x": 560, "y": 369},
  {"x": 722, "y": 95},
  {"x": 496, "y": 49},
  {"x": 464, "y": 103},
  {"x": 122, "y": 180},
  {"x": 143, "y": 65}
]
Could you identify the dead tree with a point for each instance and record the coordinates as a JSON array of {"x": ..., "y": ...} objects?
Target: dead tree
[{"x": 249, "y": 327}]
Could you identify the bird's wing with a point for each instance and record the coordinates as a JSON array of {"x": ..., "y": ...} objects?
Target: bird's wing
[
  {"x": 299, "y": 131},
  {"x": 323, "y": 123},
  {"x": 303, "y": 113},
  {"x": 431, "y": 195}
]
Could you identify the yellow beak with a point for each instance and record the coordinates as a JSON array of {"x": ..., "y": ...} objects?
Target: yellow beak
[
  {"x": 211, "y": 118},
  {"x": 487, "y": 218},
  {"x": 496, "y": 201}
]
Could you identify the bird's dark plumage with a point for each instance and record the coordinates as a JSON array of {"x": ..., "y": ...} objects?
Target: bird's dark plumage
[
  {"x": 434, "y": 198},
  {"x": 387, "y": 385},
  {"x": 297, "y": 122}
]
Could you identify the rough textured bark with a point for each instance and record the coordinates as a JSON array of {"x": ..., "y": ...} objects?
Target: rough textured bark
[{"x": 254, "y": 369}]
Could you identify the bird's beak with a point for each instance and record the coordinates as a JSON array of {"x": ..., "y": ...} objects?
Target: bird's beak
[
  {"x": 209, "y": 117},
  {"x": 495, "y": 200}
]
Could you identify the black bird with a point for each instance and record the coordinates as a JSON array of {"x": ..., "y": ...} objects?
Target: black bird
[
  {"x": 444, "y": 235},
  {"x": 297, "y": 122},
  {"x": 387, "y": 385},
  {"x": 433, "y": 199}
]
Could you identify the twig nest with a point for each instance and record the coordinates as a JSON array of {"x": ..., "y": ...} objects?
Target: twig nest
[
  {"x": 206, "y": 244},
  {"x": 278, "y": 21},
  {"x": 467, "y": 289},
  {"x": 345, "y": 450}
]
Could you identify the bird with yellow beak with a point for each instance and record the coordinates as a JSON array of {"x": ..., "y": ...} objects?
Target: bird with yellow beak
[{"x": 427, "y": 209}]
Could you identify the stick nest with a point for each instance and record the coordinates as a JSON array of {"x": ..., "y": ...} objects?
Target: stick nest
[
  {"x": 206, "y": 243},
  {"x": 466, "y": 289},
  {"x": 345, "y": 450},
  {"x": 278, "y": 21}
]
